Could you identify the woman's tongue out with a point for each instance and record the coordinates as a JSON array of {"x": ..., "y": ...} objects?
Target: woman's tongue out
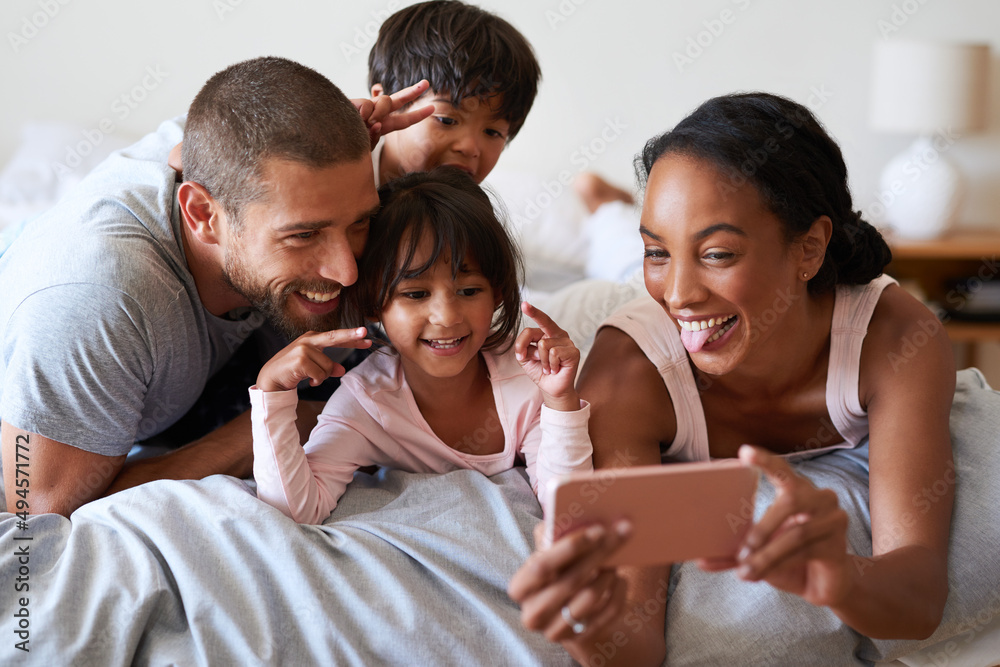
[{"x": 694, "y": 341}]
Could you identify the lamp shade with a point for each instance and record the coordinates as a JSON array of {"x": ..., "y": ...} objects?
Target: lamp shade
[{"x": 921, "y": 87}]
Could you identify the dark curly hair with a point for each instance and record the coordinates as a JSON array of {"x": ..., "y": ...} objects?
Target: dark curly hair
[
  {"x": 461, "y": 50},
  {"x": 779, "y": 147}
]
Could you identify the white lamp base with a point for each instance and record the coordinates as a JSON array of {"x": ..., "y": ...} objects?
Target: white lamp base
[{"x": 923, "y": 191}]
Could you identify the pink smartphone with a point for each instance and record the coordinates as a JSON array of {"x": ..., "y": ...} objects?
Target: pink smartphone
[{"x": 679, "y": 511}]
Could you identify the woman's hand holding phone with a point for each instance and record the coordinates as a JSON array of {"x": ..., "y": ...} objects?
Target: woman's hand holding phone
[{"x": 800, "y": 544}]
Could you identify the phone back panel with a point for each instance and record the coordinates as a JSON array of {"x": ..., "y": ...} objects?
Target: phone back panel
[{"x": 679, "y": 511}]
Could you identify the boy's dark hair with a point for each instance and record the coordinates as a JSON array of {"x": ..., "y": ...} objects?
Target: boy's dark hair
[
  {"x": 463, "y": 51},
  {"x": 778, "y": 146},
  {"x": 266, "y": 108},
  {"x": 447, "y": 204}
]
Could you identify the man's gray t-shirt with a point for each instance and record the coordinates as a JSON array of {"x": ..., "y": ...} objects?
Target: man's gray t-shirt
[{"x": 103, "y": 338}]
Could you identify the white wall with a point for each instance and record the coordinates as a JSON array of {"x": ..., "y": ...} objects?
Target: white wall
[{"x": 602, "y": 61}]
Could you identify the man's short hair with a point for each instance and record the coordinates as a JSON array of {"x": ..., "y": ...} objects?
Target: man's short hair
[
  {"x": 260, "y": 109},
  {"x": 462, "y": 50}
]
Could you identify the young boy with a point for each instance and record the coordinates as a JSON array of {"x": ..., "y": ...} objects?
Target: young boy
[{"x": 483, "y": 79}]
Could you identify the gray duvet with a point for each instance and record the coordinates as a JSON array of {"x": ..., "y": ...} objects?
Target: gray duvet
[{"x": 412, "y": 570}]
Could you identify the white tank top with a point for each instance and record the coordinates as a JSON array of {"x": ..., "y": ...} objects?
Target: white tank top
[{"x": 657, "y": 336}]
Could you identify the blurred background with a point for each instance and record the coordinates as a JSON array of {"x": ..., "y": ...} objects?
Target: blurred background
[
  {"x": 81, "y": 78},
  {"x": 638, "y": 64}
]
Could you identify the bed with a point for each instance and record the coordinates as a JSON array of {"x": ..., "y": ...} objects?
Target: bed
[{"x": 412, "y": 569}]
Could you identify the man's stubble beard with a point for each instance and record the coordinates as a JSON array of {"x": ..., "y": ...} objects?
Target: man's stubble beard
[{"x": 242, "y": 280}]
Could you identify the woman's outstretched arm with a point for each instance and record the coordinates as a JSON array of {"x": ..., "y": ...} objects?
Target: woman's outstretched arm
[{"x": 907, "y": 384}]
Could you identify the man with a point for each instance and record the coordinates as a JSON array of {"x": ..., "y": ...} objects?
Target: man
[{"x": 121, "y": 302}]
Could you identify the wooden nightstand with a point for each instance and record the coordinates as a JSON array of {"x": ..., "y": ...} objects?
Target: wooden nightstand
[{"x": 932, "y": 264}]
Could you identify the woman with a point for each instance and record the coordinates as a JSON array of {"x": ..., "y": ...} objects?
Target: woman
[{"x": 770, "y": 324}]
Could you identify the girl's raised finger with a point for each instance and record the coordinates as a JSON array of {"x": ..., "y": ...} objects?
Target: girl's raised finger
[{"x": 545, "y": 323}]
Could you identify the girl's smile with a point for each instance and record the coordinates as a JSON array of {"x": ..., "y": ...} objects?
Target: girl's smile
[{"x": 445, "y": 347}]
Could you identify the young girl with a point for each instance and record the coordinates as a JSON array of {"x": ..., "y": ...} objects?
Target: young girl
[{"x": 441, "y": 275}]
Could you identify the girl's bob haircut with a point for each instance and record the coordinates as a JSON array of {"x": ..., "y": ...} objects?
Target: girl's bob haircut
[{"x": 459, "y": 217}]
